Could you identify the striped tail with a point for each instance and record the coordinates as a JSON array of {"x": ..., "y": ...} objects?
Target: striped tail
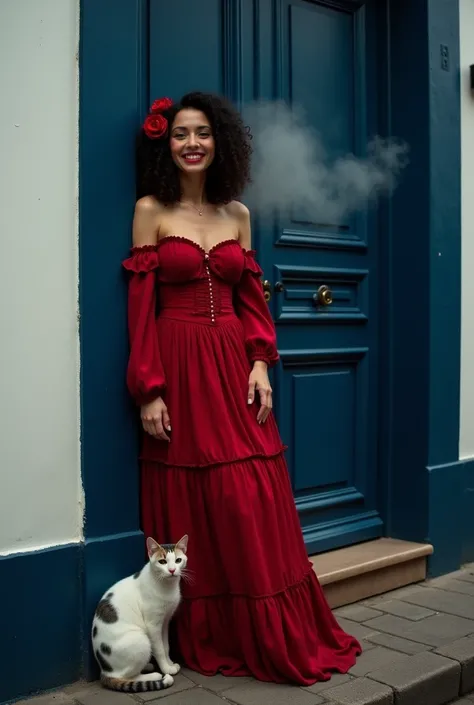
[{"x": 142, "y": 684}]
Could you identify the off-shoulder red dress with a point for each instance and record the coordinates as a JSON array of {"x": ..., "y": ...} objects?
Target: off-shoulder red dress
[{"x": 196, "y": 320}]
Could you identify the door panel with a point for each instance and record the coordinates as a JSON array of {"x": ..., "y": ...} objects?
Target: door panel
[
  {"x": 318, "y": 55},
  {"x": 186, "y": 47},
  {"x": 320, "y": 50},
  {"x": 326, "y": 383}
]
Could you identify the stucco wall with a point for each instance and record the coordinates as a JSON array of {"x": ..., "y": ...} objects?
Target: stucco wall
[{"x": 40, "y": 487}]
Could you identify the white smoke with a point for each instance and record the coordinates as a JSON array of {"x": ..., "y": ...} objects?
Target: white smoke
[{"x": 293, "y": 174}]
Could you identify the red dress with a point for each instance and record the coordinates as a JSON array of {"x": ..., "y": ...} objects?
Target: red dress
[{"x": 255, "y": 607}]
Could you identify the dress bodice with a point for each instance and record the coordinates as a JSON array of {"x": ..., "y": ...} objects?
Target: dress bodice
[
  {"x": 197, "y": 285},
  {"x": 183, "y": 260},
  {"x": 177, "y": 279}
]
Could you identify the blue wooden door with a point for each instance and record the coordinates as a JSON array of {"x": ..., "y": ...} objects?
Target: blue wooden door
[{"x": 320, "y": 55}]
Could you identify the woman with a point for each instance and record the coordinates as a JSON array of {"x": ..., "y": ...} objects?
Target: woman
[{"x": 212, "y": 458}]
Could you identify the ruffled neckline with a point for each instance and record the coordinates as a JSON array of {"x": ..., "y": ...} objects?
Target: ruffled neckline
[
  {"x": 145, "y": 258},
  {"x": 193, "y": 243}
]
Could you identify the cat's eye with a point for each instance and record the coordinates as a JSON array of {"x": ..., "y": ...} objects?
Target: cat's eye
[
  {"x": 162, "y": 562},
  {"x": 178, "y": 560}
]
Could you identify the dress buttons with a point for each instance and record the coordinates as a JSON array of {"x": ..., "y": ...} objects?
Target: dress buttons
[{"x": 211, "y": 295}]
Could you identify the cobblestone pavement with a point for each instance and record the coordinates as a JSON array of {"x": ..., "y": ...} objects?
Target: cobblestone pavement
[{"x": 418, "y": 650}]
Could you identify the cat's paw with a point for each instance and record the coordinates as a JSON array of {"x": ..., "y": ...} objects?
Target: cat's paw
[
  {"x": 167, "y": 681},
  {"x": 170, "y": 668}
]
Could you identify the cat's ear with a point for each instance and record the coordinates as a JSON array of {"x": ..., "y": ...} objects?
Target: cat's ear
[
  {"x": 182, "y": 544},
  {"x": 152, "y": 546}
]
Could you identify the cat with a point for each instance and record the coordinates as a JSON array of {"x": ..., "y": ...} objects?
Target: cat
[{"x": 130, "y": 624}]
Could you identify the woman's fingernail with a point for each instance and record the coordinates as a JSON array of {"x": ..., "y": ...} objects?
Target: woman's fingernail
[
  {"x": 168, "y": 428},
  {"x": 249, "y": 401}
]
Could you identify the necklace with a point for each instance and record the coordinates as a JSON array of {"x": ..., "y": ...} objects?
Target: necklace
[{"x": 199, "y": 210}]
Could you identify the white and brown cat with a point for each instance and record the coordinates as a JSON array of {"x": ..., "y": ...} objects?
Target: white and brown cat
[{"x": 131, "y": 622}]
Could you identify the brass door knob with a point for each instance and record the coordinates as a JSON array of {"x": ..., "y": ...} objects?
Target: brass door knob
[
  {"x": 267, "y": 290},
  {"x": 323, "y": 297}
]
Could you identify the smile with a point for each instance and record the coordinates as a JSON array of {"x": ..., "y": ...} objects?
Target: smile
[{"x": 193, "y": 157}]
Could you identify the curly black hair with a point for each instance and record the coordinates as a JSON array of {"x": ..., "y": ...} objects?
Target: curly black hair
[{"x": 229, "y": 173}]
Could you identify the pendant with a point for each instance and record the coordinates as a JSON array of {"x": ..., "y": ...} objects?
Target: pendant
[{"x": 200, "y": 212}]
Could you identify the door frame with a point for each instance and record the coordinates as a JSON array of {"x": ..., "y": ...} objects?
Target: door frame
[{"x": 422, "y": 479}]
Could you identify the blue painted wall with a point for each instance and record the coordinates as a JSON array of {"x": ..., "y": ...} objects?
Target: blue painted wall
[
  {"x": 424, "y": 486},
  {"x": 41, "y": 637},
  {"x": 113, "y": 75}
]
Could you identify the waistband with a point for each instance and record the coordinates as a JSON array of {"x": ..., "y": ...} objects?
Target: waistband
[{"x": 205, "y": 300}]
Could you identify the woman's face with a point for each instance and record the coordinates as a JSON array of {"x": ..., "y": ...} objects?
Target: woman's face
[{"x": 192, "y": 142}]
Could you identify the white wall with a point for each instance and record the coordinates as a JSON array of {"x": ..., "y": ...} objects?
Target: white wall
[
  {"x": 466, "y": 445},
  {"x": 40, "y": 489}
]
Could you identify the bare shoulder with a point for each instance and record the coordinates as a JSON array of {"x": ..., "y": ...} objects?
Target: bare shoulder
[
  {"x": 241, "y": 213},
  {"x": 146, "y": 221},
  {"x": 148, "y": 205},
  {"x": 238, "y": 210}
]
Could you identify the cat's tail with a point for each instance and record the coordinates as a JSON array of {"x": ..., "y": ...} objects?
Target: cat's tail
[{"x": 141, "y": 684}]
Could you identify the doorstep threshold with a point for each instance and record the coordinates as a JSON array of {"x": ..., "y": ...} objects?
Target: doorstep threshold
[{"x": 357, "y": 572}]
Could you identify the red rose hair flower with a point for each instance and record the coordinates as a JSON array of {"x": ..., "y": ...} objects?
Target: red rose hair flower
[
  {"x": 161, "y": 104},
  {"x": 156, "y": 125}
]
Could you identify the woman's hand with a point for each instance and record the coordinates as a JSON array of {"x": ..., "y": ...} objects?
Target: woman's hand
[
  {"x": 259, "y": 381},
  {"x": 155, "y": 419}
]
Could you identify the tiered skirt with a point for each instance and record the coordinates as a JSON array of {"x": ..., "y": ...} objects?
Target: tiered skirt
[{"x": 252, "y": 605}]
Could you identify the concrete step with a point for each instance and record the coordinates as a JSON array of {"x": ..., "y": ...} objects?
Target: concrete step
[{"x": 371, "y": 568}]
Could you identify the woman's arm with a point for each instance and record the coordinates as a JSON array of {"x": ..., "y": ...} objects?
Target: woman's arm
[
  {"x": 252, "y": 309},
  {"x": 145, "y": 374}
]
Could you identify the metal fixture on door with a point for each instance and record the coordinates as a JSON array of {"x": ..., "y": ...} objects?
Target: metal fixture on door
[{"x": 323, "y": 296}]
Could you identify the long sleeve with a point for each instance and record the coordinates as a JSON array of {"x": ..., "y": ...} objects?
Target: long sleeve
[
  {"x": 145, "y": 376},
  {"x": 252, "y": 309}
]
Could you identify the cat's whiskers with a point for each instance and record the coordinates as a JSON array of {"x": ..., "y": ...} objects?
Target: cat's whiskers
[{"x": 187, "y": 575}]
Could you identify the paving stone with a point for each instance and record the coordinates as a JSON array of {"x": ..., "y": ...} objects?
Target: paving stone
[
  {"x": 105, "y": 697},
  {"x": 360, "y": 631},
  {"x": 444, "y": 583},
  {"x": 196, "y": 696},
  {"x": 58, "y": 697},
  {"x": 215, "y": 683},
  {"x": 374, "y": 659},
  {"x": 360, "y": 691},
  {"x": 466, "y": 574},
  {"x": 423, "y": 679},
  {"x": 336, "y": 679},
  {"x": 433, "y": 631},
  {"x": 366, "y": 645},
  {"x": 443, "y": 601},
  {"x": 358, "y": 613},
  {"x": 405, "y": 610},
  {"x": 82, "y": 688},
  {"x": 398, "y": 644},
  {"x": 181, "y": 682},
  {"x": 398, "y": 594},
  {"x": 258, "y": 693},
  {"x": 462, "y": 651}
]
